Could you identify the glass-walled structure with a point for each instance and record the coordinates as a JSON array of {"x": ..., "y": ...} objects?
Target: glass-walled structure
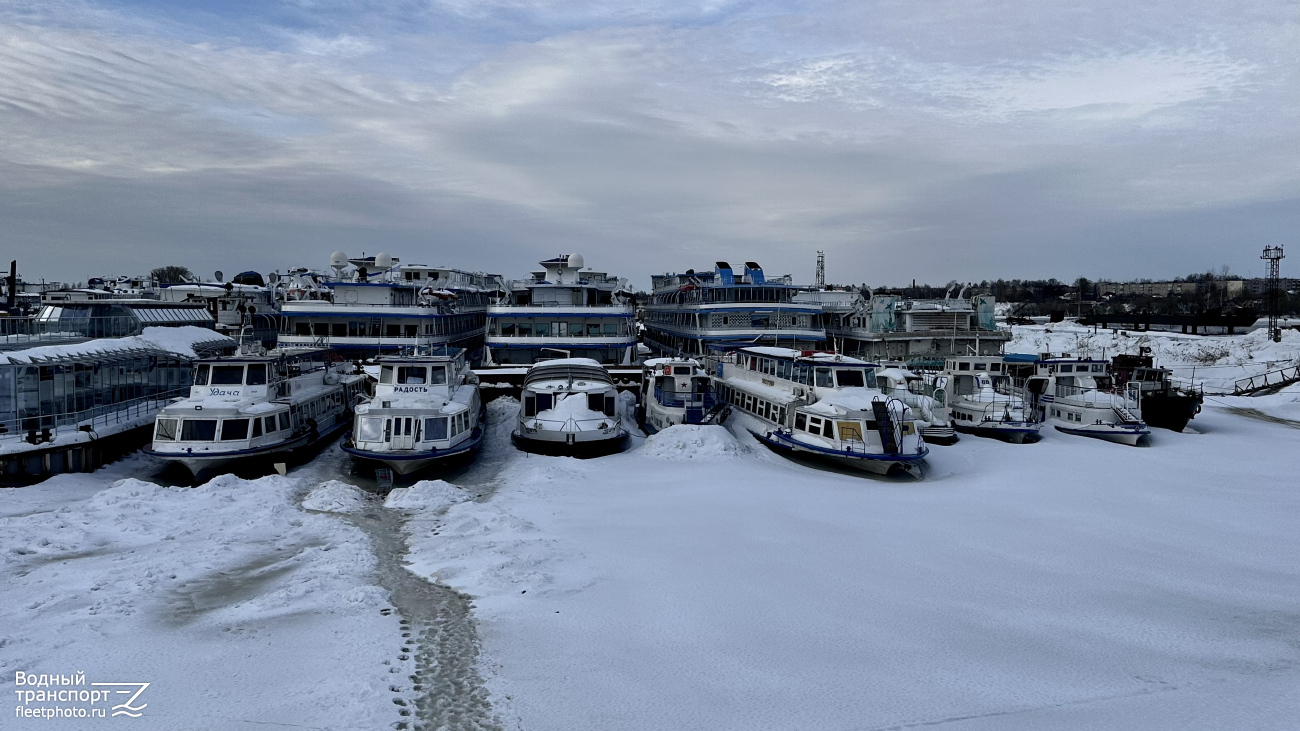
[{"x": 70, "y": 390}]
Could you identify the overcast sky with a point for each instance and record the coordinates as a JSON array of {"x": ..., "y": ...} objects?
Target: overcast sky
[{"x": 929, "y": 140}]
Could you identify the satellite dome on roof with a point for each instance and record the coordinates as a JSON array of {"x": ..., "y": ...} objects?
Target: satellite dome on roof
[
  {"x": 576, "y": 261},
  {"x": 338, "y": 260},
  {"x": 383, "y": 261}
]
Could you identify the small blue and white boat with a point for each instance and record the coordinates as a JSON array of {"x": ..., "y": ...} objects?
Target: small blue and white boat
[
  {"x": 1077, "y": 396},
  {"x": 426, "y": 409},
  {"x": 983, "y": 399},
  {"x": 675, "y": 391},
  {"x": 820, "y": 405}
]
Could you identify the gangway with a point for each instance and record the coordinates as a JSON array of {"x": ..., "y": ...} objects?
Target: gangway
[{"x": 1271, "y": 381}]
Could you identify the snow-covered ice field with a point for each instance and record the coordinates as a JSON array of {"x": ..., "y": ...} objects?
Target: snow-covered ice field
[{"x": 696, "y": 581}]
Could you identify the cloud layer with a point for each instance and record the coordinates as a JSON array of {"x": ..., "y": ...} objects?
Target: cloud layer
[{"x": 954, "y": 141}]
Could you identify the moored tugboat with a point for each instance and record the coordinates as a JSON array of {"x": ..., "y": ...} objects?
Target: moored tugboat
[{"x": 1161, "y": 402}]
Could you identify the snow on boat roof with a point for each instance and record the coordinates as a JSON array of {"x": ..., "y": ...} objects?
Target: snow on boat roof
[
  {"x": 178, "y": 340},
  {"x": 566, "y": 362},
  {"x": 815, "y": 356},
  {"x": 665, "y": 361},
  {"x": 857, "y": 399},
  {"x": 898, "y": 374}
]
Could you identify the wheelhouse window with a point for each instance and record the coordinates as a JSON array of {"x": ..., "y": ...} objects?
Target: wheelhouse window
[
  {"x": 801, "y": 422},
  {"x": 386, "y": 374},
  {"x": 256, "y": 374},
  {"x": 165, "y": 430},
  {"x": 201, "y": 375},
  {"x": 596, "y": 401},
  {"x": 227, "y": 375},
  {"x": 199, "y": 430},
  {"x": 234, "y": 429},
  {"x": 850, "y": 378},
  {"x": 284, "y": 420},
  {"x": 824, "y": 378},
  {"x": 414, "y": 375},
  {"x": 530, "y": 406},
  {"x": 270, "y": 424},
  {"x": 437, "y": 375},
  {"x": 257, "y": 428}
]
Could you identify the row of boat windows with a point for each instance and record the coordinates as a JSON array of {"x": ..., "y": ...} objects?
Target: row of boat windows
[
  {"x": 1080, "y": 368},
  {"x": 1067, "y": 415},
  {"x": 735, "y": 319},
  {"x": 968, "y": 366},
  {"x": 534, "y": 329},
  {"x": 759, "y": 407},
  {"x": 205, "y": 430},
  {"x": 376, "y": 328},
  {"x": 724, "y": 294},
  {"x": 536, "y": 404},
  {"x": 254, "y": 374},
  {"x": 809, "y": 375},
  {"x": 414, "y": 375},
  {"x": 431, "y": 429}
]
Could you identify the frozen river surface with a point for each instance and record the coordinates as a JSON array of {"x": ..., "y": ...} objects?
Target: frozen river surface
[{"x": 693, "y": 582}]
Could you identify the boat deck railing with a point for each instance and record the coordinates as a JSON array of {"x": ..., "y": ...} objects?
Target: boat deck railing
[{"x": 1096, "y": 398}]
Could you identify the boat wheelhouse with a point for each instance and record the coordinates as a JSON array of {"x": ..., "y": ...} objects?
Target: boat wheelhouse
[
  {"x": 1077, "y": 396},
  {"x": 379, "y": 306},
  {"x": 426, "y": 409},
  {"x": 569, "y": 406},
  {"x": 675, "y": 391},
  {"x": 1162, "y": 401},
  {"x": 689, "y": 313},
  {"x": 931, "y": 413},
  {"x": 984, "y": 399},
  {"x": 257, "y": 406},
  {"x": 563, "y": 311},
  {"x": 820, "y": 405}
]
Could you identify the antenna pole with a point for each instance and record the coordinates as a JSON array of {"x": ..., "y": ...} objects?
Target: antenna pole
[{"x": 1273, "y": 255}]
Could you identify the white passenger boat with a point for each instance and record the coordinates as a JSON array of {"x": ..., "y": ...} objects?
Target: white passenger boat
[
  {"x": 820, "y": 405},
  {"x": 569, "y": 406},
  {"x": 984, "y": 400},
  {"x": 257, "y": 406},
  {"x": 674, "y": 391},
  {"x": 931, "y": 414},
  {"x": 1076, "y": 396},
  {"x": 426, "y": 409}
]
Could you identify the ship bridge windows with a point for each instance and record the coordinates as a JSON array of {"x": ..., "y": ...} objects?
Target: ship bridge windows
[
  {"x": 412, "y": 375},
  {"x": 435, "y": 429},
  {"x": 371, "y": 429},
  {"x": 227, "y": 375},
  {"x": 233, "y": 430},
  {"x": 849, "y": 378},
  {"x": 256, "y": 374},
  {"x": 963, "y": 366},
  {"x": 199, "y": 430},
  {"x": 823, "y": 378},
  {"x": 165, "y": 430}
]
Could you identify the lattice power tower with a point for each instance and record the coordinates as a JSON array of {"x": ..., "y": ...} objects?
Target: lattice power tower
[
  {"x": 821, "y": 270},
  {"x": 1274, "y": 256}
]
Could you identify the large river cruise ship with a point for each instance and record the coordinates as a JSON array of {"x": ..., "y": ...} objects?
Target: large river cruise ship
[
  {"x": 688, "y": 313},
  {"x": 376, "y": 305},
  {"x": 563, "y": 312}
]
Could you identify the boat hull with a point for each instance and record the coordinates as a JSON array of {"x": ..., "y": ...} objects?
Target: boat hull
[
  {"x": 410, "y": 461},
  {"x": 212, "y": 462},
  {"x": 1019, "y": 433},
  {"x": 577, "y": 448},
  {"x": 883, "y": 464},
  {"x": 1169, "y": 412},
  {"x": 1120, "y": 435}
]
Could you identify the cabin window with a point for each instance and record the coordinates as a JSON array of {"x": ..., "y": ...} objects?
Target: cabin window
[
  {"x": 411, "y": 375},
  {"x": 753, "y": 363},
  {"x": 234, "y": 429},
  {"x": 455, "y": 425},
  {"x": 435, "y": 429},
  {"x": 257, "y": 374},
  {"x": 302, "y": 328},
  {"x": 227, "y": 375},
  {"x": 963, "y": 366},
  {"x": 320, "y": 329},
  {"x": 284, "y": 420},
  {"x": 611, "y": 402},
  {"x": 386, "y": 374},
  {"x": 199, "y": 430},
  {"x": 979, "y": 366},
  {"x": 507, "y": 329},
  {"x": 339, "y": 329},
  {"x": 201, "y": 375},
  {"x": 824, "y": 378},
  {"x": 681, "y": 370},
  {"x": 596, "y": 401},
  {"x": 780, "y": 415},
  {"x": 850, "y": 431},
  {"x": 270, "y": 424},
  {"x": 165, "y": 430},
  {"x": 257, "y": 428},
  {"x": 530, "y": 406},
  {"x": 545, "y": 401},
  {"x": 610, "y": 329},
  {"x": 593, "y": 329},
  {"x": 849, "y": 378},
  {"x": 815, "y": 425},
  {"x": 575, "y": 329},
  {"x": 412, "y": 331},
  {"x": 1097, "y": 368},
  {"x": 525, "y": 330},
  {"x": 1068, "y": 369},
  {"x": 995, "y": 367}
]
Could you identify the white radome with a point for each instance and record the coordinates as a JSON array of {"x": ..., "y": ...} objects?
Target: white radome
[
  {"x": 383, "y": 262},
  {"x": 575, "y": 261},
  {"x": 338, "y": 260}
]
